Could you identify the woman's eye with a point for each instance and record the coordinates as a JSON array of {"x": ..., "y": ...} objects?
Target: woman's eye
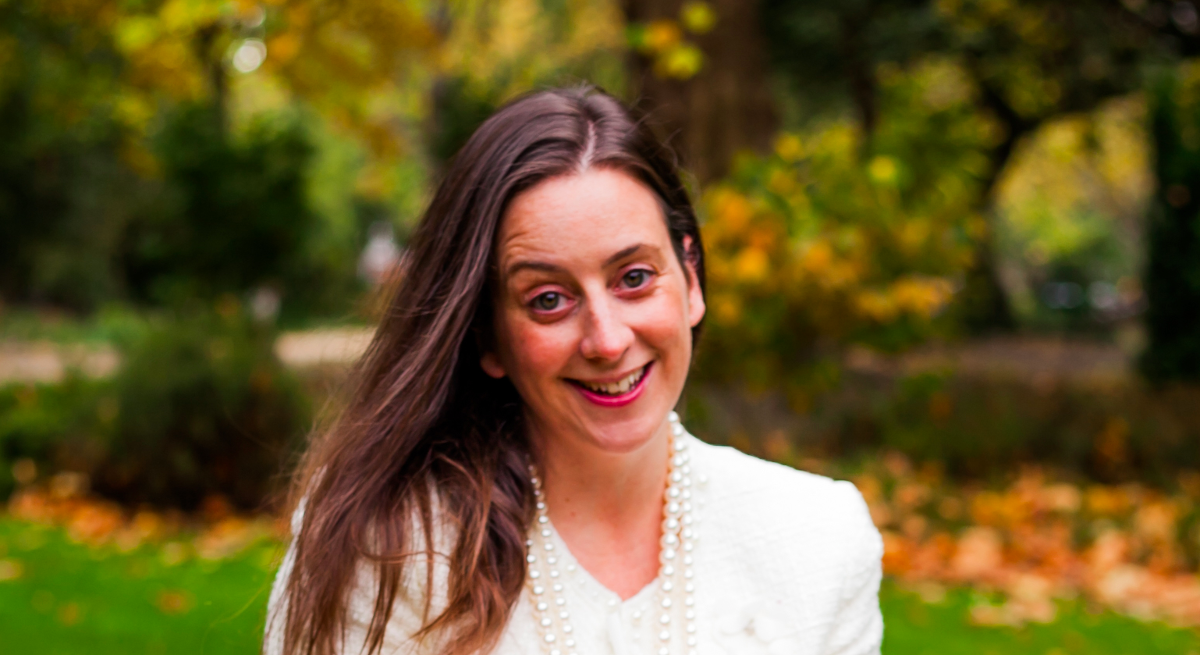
[
  {"x": 548, "y": 301},
  {"x": 636, "y": 278}
]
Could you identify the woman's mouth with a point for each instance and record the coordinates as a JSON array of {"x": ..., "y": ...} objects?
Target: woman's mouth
[{"x": 615, "y": 394}]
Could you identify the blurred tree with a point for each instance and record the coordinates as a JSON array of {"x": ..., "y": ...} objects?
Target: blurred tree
[
  {"x": 85, "y": 87},
  {"x": 1027, "y": 63},
  {"x": 711, "y": 100},
  {"x": 240, "y": 217},
  {"x": 497, "y": 49},
  {"x": 61, "y": 153},
  {"x": 1172, "y": 276}
]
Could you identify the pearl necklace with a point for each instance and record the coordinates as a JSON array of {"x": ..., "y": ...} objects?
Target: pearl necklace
[{"x": 677, "y": 542}]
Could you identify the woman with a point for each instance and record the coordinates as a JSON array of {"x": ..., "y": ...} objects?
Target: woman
[{"x": 509, "y": 476}]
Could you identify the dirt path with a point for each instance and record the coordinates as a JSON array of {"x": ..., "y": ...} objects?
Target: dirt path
[{"x": 47, "y": 362}]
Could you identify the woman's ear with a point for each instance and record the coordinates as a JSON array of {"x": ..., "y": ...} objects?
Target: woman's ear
[
  {"x": 491, "y": 365},
  {"x": 696, "y": 306}
]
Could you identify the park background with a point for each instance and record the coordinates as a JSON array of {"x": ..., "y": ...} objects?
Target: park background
[{"x": 954, "y": 256}]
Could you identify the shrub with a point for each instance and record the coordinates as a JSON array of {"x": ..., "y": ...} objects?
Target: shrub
[
  {"x": 972, "y": 426},
  {"x": 830, "y": 241},
  {"x": 56, "y": 427},
  {"x": 203, "y": 407}
]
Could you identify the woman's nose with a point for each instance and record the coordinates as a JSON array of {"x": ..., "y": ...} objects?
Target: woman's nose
[{"x": 606, "y": 336}]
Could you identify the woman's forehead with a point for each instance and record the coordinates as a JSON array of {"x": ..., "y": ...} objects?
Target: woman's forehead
[{"x": 590, "y": 215}]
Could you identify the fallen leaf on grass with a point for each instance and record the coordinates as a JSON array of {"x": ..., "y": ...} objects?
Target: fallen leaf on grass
[
  {"x": 10, "y": 569},
  {"x": 174, "y": 602}
]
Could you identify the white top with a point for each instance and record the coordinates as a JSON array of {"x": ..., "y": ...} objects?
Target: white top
[{"x": 786, "y": 562}]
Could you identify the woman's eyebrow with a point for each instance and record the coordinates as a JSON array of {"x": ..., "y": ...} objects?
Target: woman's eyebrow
[
  {"x": 625, "y": 252},
  {"x": 526, "y": 264}
]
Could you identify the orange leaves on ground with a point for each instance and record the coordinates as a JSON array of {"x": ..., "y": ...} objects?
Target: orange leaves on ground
[
  {"x": 216, "y": 532},
  {"x": 1036, "y": 540}
]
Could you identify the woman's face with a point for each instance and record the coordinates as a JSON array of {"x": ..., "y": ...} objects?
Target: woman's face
[{"x": 593, "y": 310}]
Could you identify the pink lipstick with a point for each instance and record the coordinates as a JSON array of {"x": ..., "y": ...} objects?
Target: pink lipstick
[{"x": 608, "y": 400}]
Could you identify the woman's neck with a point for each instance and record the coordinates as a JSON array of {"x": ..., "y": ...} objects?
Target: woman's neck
[{"x": 607, "y": 507}]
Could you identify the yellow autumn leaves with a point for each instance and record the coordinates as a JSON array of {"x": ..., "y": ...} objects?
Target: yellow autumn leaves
[
  {"x": 847, "y": 263},
  {"x": 666, "y": 43},
  {"x": 829, "y": 240}
]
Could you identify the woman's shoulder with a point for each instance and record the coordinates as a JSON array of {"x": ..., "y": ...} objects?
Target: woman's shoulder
[{"x": 743, "y": 490}]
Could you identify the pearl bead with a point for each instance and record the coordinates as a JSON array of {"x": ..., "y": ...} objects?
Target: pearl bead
[{"x": 535, "y": 574}]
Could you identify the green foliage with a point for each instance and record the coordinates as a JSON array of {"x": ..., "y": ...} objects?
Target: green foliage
[
  {"x": 1172, "y": 278},
  {"x": 60, "y": 426},
  {"x": 60, "y": 161},
  {"x": 203, "y": 407},
  {"x": 459, "y": 108},
  {"x": 241, "y": 217}
]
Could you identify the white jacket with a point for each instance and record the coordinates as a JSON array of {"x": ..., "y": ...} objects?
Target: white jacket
[{"x": 786, "y": 562}]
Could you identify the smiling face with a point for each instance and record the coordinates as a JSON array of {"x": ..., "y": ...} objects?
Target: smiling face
[{"x": 593, "y": 310}]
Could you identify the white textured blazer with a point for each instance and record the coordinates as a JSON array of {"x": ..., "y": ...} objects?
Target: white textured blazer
[{"x": 786, "y": 562}]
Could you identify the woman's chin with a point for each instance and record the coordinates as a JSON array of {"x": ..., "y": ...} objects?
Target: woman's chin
[{"x": 625, "y": 436}]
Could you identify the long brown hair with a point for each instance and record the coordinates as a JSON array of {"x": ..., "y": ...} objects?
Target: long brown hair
[{"x": 424, "y": 427}]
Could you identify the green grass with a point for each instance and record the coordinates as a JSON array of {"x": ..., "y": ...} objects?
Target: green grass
[
  {"x": 74, "y": 599},
  {"x": 914, "y": 627}
]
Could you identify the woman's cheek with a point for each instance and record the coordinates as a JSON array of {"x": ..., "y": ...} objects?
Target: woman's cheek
[
  {"x": 540, "y": 348},
  {"x": 665, "y": 321}
]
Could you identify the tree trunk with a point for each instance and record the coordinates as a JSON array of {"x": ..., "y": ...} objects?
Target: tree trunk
[
  {"x": 987, "y": 308},
  {"x": 728, "y": 106}
]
